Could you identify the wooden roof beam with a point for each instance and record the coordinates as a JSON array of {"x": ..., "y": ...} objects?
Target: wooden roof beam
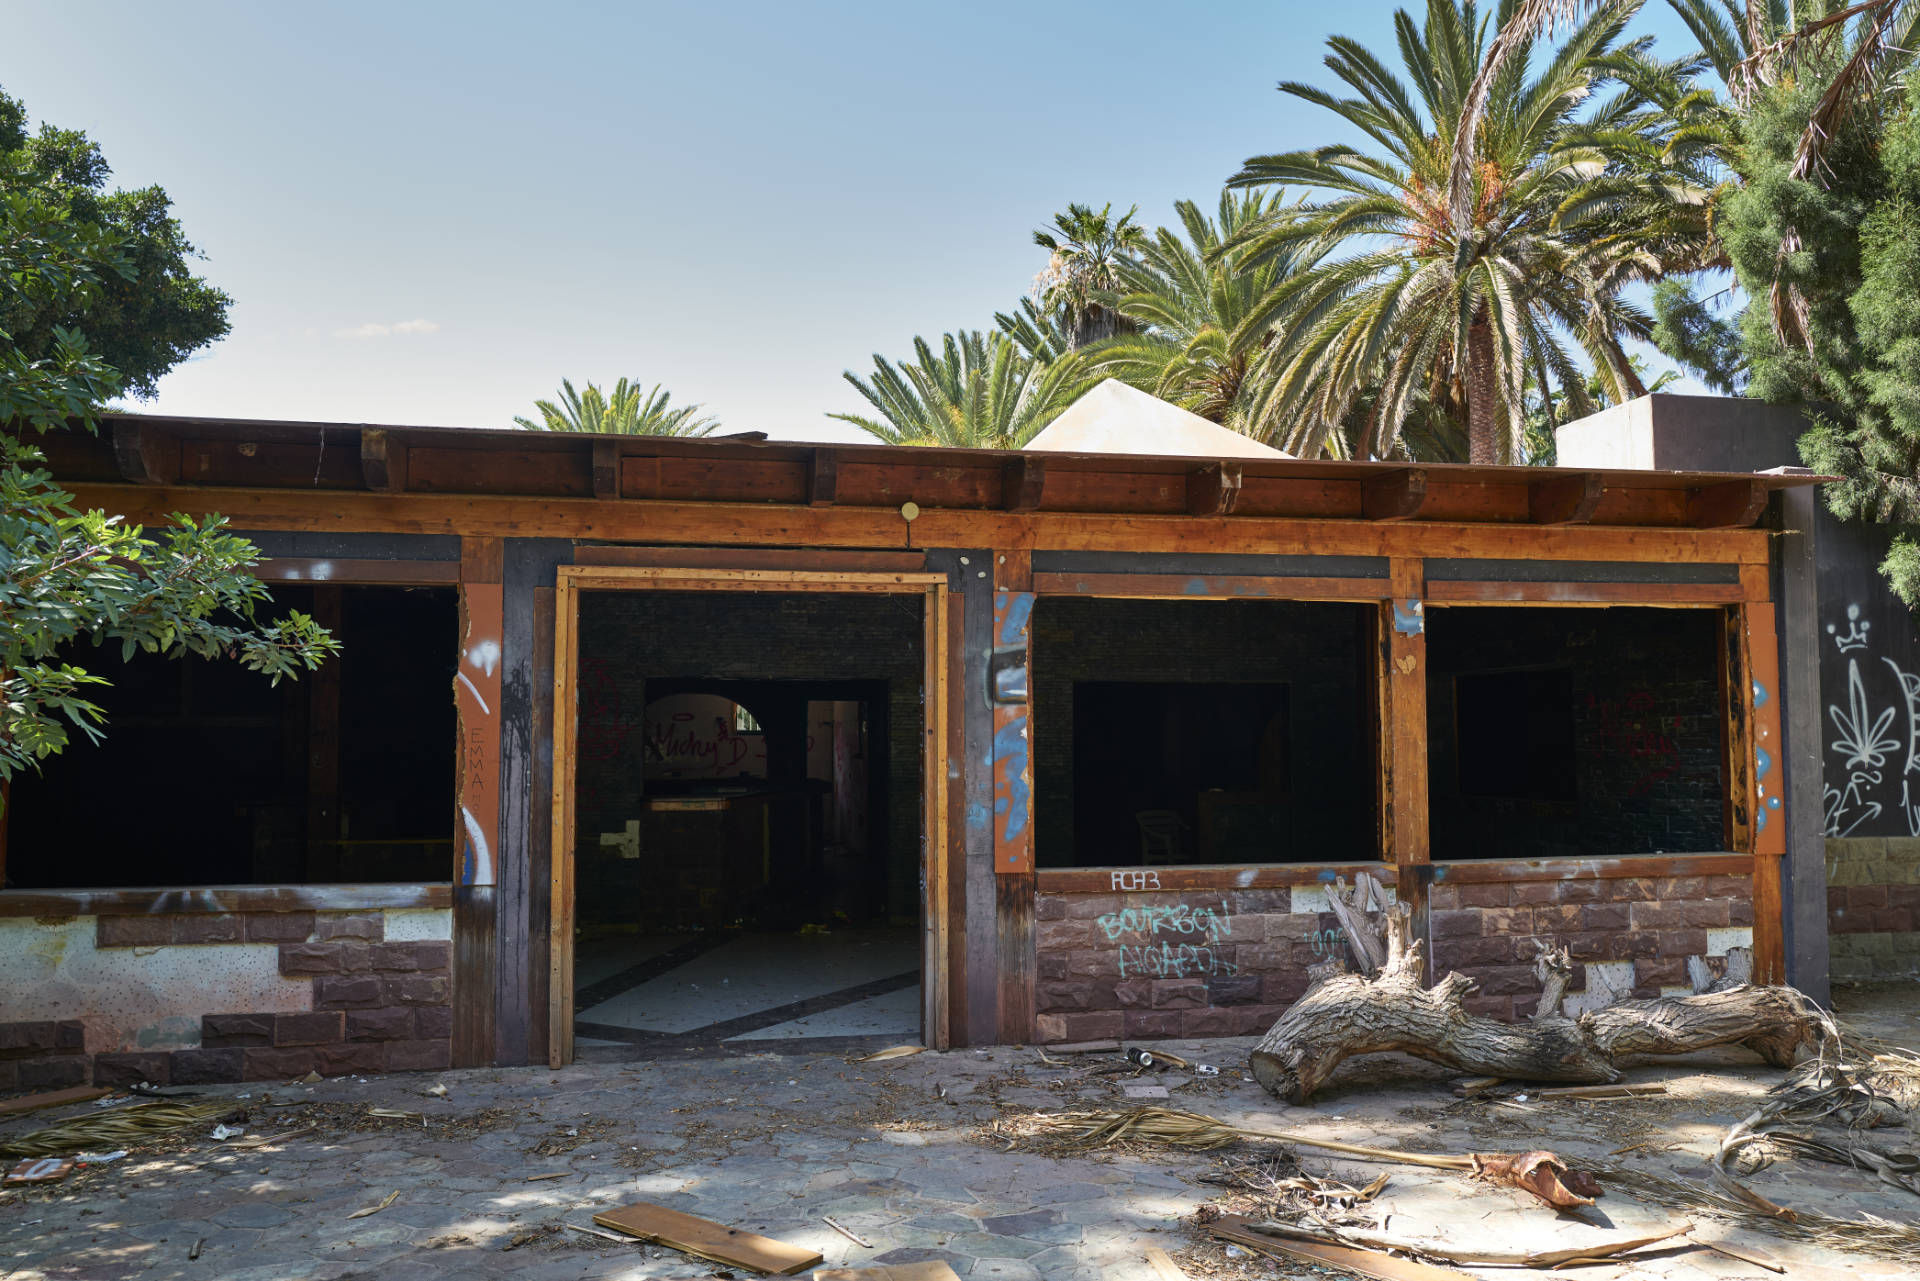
[
  {"x": 1023, "y": 483},
  {"x": 1214, "y": 490},
  {"x": 1730, "y": 504},
  {"x": 606, "y": 469},
  {"x": 1398, "y": 495},
  {"x": 823, "y": 478},
  {"x": 383, "y": 461},
  {"x": 146, "y": 455},
  {"x": 1564, "y": 500}
]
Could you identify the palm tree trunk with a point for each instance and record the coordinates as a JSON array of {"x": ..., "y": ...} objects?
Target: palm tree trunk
[{"x": 1483, "y": 419}]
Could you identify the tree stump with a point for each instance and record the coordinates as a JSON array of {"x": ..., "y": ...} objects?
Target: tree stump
[{"x": 1345, "y": 1014}]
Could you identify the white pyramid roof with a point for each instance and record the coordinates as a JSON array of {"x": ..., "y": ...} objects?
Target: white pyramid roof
[{"x": 1114, "y": 418}]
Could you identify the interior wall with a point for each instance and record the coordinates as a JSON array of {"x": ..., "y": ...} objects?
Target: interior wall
[
  {"x": 1317, "y": 651},
  {"x": 1645, "y": 723}
]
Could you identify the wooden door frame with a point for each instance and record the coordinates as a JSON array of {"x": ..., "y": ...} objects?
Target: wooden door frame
[{"x": 571, "y": 580}]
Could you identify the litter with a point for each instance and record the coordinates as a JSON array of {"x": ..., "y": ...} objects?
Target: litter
[
  {"x": 891, "y": 1052},
  {"x": 311, "y": 1078},
  {"x": 121, "y": 1126},
  {"x": 542, "y": 1178},
  {"x": 44, "y": 1169},
  {"x": 596, "y": 1232},
  {"x": 98, "y": 1158},
  {"x": 707, "y": 1240},
  {"x": 438, "y": 1091},
  {"x": 1163, "y": 1265},
  {"x": 193, "y": 1251},
  {"x": 1205, "y": 1069},
  {"x": 375, "y": 1209},
  {"x": 52, "y": 1099},
  {"x": 221, "y": 1133},
  {"x": 846, "y": 1232},
  {"x": 1598, "y": 1092}
]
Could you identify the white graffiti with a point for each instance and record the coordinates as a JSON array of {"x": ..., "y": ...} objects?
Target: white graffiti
[
  {"x": 1866, "y": 742},
  {"x": 1855, "y": 637}
]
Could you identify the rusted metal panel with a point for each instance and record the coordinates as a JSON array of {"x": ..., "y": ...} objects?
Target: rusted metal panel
[
  {"x": 476, "y": 686},
  {"x": 1012, "y": 758}
]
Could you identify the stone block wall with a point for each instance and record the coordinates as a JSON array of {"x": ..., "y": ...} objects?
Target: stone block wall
[
  {"x": 1637, "y": 931},
  {"x": 195, "y": 998},
  {"x": 1873, "y": 907}
]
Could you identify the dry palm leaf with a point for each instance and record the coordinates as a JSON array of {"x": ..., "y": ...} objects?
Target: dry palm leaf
[
  {"x": 1542, "y": 1174},
  {"x": 891, "y": 1052},
  {"x": 1330, "y": 1235},
  {"x": 119, "y": 1128}
]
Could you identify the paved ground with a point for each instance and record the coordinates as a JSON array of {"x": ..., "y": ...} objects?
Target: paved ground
[{"x": 891, "y": 1150}]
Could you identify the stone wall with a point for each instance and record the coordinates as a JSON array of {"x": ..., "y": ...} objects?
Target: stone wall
[
  {"x": 203, "y": 997},
  {"x": 1873, "y": 907}
]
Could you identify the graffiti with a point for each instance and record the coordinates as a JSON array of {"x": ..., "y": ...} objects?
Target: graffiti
[
  {"x": 1327, "y": 942},
  {"x": 680, "y": 744},
  {"x": 1855, "y": 637},
  {"x": 1629, "y": 729},
  {"x": 1410, "y": 619},
  {"x": 1168, "y": 961},
  {"x": 1869, "y": 740},
  {"x": 1136, "y": 880},
  {"x": 604, "y": 721},
  {"x": 1178, "y": 919}
]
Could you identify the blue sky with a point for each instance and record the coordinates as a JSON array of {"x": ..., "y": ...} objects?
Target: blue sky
[{"x": 430, "y": 213}]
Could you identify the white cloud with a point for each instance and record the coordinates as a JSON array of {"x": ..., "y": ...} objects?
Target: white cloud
[{"x": 375, "y": 330}]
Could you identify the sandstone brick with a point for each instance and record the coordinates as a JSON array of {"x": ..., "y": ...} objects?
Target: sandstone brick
[
  {"x": 35, "y": 1036},
  {"x": 132, "y": 931},
  {"x": 207, "y": 1067},
  {"x": 219, "y": 1031},
  {"x": 418, "y": 1056},
  {"x": 345, "y": 991},
  {"x": 1581, "y": 889},
  {"x": 1048, "y": 1028},
  {"x": 213, "y": 928},
  {"x": 1740, "y": 912},
  {"x": 422, "y": 956},
  {"x": 130, "y": 1069},
  {"x": 1443, "y": 898},
  {"x": 1155, "y": 1024},
  {"x": 1705, "y": 914},
  {"x": 1605, "y": 916},
  {"x": 317, "y": 1028},
  {"x": 1051, "y": 965},
  {"x": 353, "y": 1057},
  {"x": 1464, "y": 953},
  {"x": 1048, "y": 997},
  {"x": 1101, "y": 1025},
  {"x": 1630, "y": 889},
  {"x": 1506, "y": 980},
  {"x": 1179, "y": 994},
  {"x": 1866, "y": 897},
  {"x": 1254, "y": 1020},
  {"x": 1494, "y": 1007},
  {"x": 1683, "y": 943},
  {"x": 1680, "y": 887},
  {"x": 1086, "y": 907},
  {"x": 1131, "y": 994},
  {"x": 1260, "y": 902},
  {"x": 279, "y": 927},
  {"x": 1649, "y": 976},
  {"x": 1283, "y": 989},
  {"x": 1532, "y": 893},
  {"x": 433, "y": 1021},
  {"x": 70, "y": 1034},
  {"x": 1092, "y": 964},
  {"x": 1506, "y": 920},
  {"x": 1464, "y": 923},
  {"x": 1895, "y": 920},
  {"x": 417, "y": 989},
  {"x": 10, "y": 1075},
  {"x": 258, "y": 1064},
  {"x": 1291, "y": 927},
  {"x": 1550, "y": 920},
  {"x": 1050, "y": 907},
  {"x": 54, "y": 1073},
  {"x": 1657, "y": 916},
  {"x": 339, "y": 957},
  {"x": 1495, "y": 894},
  {"x": 1233, "y": 989},
  {"x": 1729, "y": 887},
  {"x": 371, "y": 926},
  {"x": 1057, "y": 936},
  {"x": 382, "y": 1025}
]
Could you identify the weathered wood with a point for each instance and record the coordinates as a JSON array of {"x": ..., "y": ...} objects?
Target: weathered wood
[
  {"x": 383, "y": 461},
  {"x": 935, "y": 979},
  {"x": 823, "y": 478},
  {"x": 1586, "y": 593},
  {"x": 539, "y": 829},
  {"x": 1013, "y": 896},
  {"x": 1024, "y": 483},
  {"x": 781, "y": 558},
  {"x": 218, "y": 899},
  {"x": 1224, "y": 877},
  {"x": 1344, "y": 1014},
  {"x": 1398, "y": 495},
  {"x": 1188, "y": 586},
  {"x": 1403, "y": 772},
  {"x": 606, "y": 469},
  {"x": 1729, "y": 504},
  {"x": 146, "y": 455},
  {"x": 396, "y": 573},
  {"x": 1799, "y": 757},
  {"x": 566, "y": 658},
  {"x": 1564, "y": 500},
  {"x": 1214, "y": 490},
  {"x": 708, "y": 1240}
]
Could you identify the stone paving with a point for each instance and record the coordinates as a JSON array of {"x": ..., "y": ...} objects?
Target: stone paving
[{"x": 889, "y": 1150}]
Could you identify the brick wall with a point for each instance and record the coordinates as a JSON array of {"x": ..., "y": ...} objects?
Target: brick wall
[
  {"x": 1316, "y": 649},
  {"x": 1646, "y": 732},
  {"x": 1873, "y": 907},
  {"x": 363, "y": 1001},
  {"x": 1640, "y": 929}
]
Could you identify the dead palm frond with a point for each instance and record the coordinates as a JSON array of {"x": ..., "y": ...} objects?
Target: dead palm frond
[{"x": 120, "y": 1127}]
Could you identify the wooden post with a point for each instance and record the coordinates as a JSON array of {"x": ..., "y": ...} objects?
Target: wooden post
[
  {"x": 323, "y": 749},
  {"x": 1799, "y": 757},
  {"x": 1014, "y": 885},
  {"x": 1766, "y": 802},
  {"x": 476, "y": 693},
  {"x": 1403, "y": 735}
]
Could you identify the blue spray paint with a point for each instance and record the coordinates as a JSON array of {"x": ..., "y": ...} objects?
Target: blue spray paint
[{"x": 1410, "y": 619}]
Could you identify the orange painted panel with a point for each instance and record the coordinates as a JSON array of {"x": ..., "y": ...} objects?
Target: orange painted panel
[
  {"x": 476, "y": 693},
  {"x": 1769, "y": 800}
]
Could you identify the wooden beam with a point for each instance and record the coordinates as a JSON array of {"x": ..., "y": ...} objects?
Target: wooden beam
[
  {"x": 606, "y": 469},
  {"x": 796, "y": 558},
  {"x": 320, "y": 569},
  {"x": 1489, "y": 593},
  {"x": 1197, "y": 586},
  {"x": 1025, "y": 483},
  {"x": 1397, "y": 495},
  {"x": 823, "y": 478},
  {"x": 1403, "y": 739},
  {"x": 1214, "y": 489},
  {"x": 1564, "y": 500},
  {"x": 145, "y": 455},
  {"x": 383, "y": 461},
  {"x": 1733, "y": 504}
]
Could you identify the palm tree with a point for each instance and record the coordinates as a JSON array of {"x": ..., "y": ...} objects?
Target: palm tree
[
  {"x": 1191, "y": 301},
  {"x": 626, "y": 412},
  {"x": 1425, "y": 307},
  {"x": 980, "y": 392},
  {"x": 1088, "y": 250}
]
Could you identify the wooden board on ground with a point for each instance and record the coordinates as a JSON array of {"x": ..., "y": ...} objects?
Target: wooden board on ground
[
  {"x": 53, "y": 1099},
  {"x": 39, "y": 1169},
  {"x": 708, "y": 1240},
  {"x": 1163, "y": 1265},
  {"x": 931, "y": 1270},
  {"x": 1366, "y": 1263}
]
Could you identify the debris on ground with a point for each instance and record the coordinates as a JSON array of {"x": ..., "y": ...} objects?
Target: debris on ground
[
  {"x": 714, "y": 1241},
  {"x": 929, "y": 1270},
  {"x": 52, "y": 1099},
  {"x": 44, "y": 1169},
  {"x": 117, "y": 1128}
]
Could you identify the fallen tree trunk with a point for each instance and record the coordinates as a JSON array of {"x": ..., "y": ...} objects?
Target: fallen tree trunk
[{"x": 1345, "y": 1014}]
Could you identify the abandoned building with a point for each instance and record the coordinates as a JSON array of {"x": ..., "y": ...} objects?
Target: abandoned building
[{"x": 642, "y": 744}]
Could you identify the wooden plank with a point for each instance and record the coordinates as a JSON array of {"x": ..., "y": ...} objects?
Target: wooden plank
[
  {"x": 606, "y": 469},
  {"x": 1213, "y": 490},
  {"x": 1018, "y": 940},
  {"x": 1367, "y": 1263},
  {"x": 394, "y": 573},
  {"x": 1624, "y": 867},
  {"x": 708, "y": 1240},
  {"x": 937, "y": 1020},
  {"x": 1759, "y": 783},
  {"x": 604, "y": 577},
  {"x": 476, "y": 693},
  {"x": 540, "y": 830},
  {"x": 1801, "y": 715},
  {"x": 1403, "y": 735},
  {"x": 1015, "y": 930},
  {"x": 1564, "y": 500},
  {"x": 1397, "y": 495},
  {"x": 1728, "y": 505},
  {"x": 481, "y": 559},
  {"x": 1756, "y": 582},
  {"x": 842, "y": 526},
  {"x": 1024, "y": 483},
  {"x": 1223, "y": 877},
  {"x": 753, "y": 558},
  {"x": 146, "y": 455},
  {"x": 958, "y": 989},
  {"x": 52, "y": 1099},
  {"x": 383, "y": 461},
  {"x": 217, "y": 899},
  {"x": 323, "y": 748},
  {"x": 1163, "y": 1265},
  {"x": 823, "y": 478},
  {"x": 566, "y": 625},
  {"x": 541, "y": 471},
  {"x": 1188, "y": 586},
  {"x": 1451, "y": 591},
  {"x": 929, "y": 1270}
]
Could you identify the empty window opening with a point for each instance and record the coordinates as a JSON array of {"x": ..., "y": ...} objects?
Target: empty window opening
[
  {"x": 1201, "y": 732},
  {"x": 1578, "y": 733},
  {"x": 210, "y": 775},
  {"x": 747, "y": 806}
]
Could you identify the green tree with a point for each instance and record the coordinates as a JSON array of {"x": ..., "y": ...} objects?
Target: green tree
[
  {"x": 68, "y": 575},
  {"x": 142, "y": 321},
  {"x": 1574, "y": 196},
  {"x": 980, "y": 391},
  {"x": 1088, "y": 246},
  {"x": 626, "y": 412}
]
